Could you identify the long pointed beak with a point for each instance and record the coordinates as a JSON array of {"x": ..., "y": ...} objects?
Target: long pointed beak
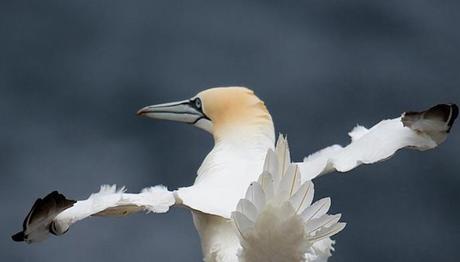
[{"x": 181, "y": 111}]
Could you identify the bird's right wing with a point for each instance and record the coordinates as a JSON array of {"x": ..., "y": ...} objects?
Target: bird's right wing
[
  {"x": 276, "y": 221},
  {"x": 54, "y": 213},
  {"x": 416, "y": 130}
]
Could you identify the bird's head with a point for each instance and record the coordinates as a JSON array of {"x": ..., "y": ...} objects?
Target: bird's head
[{"x": 219, "y": 110}]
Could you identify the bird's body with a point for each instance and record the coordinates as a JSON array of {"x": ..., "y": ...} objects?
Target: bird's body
[
  {"x": 219, "y": 243},
  {"x": 225, "y": 173},
  {"x": 249, "y": 202},
  {"x": 237, "y": 158},
  {"x": 240, "y": 144}
]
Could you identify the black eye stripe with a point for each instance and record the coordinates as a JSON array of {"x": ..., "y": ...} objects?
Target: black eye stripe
[{"x": 198, "y": 105}]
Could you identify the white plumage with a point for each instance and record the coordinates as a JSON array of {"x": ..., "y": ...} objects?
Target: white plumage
[
  {"x": 276, "y": 221},
  {"x": 249, "y": 201},
  {"x": 369, "y": 146}
]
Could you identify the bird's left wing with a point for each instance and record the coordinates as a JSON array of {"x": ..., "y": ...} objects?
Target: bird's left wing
[
  {"x": 416, "y": 130},
  {"x": 276, "y": 221},
  {"x": 54, "y": 213}
]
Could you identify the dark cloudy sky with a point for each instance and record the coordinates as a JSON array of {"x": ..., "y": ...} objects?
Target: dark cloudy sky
[{"x": 73, "y": 74}]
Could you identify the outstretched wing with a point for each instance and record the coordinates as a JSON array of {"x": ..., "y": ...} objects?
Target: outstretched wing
[
  {"x": 41, "y": 215},
  {"x": 54, "y": 213},
  {"x": 276, "y": 220},
  {"x": 416, "y": 130}
]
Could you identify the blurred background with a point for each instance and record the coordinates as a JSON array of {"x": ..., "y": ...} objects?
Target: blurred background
[{"x": 73, "y": 74}]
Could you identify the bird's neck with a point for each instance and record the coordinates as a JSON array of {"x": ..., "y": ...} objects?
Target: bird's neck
[
  {"x": 258, "y": 135},
  {"x": 241, "y": 150},
  {"x": 249, "y": 126}
]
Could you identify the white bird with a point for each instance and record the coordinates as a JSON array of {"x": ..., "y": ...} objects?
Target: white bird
[{"x": 249, "y": 202}]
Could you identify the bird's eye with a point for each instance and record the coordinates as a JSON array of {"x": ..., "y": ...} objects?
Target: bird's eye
[{"x": 198, "y": 103}]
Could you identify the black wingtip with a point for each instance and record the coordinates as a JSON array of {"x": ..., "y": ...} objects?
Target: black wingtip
[
  {"x": 42, "y": 213},
  {"x": 446, "y": 113},
  {"x": 449, "y": 113},
  {"x": 61, "y": 201},
  {"x": 454, "y": 115},
  {"x": 18, "y": 237}
]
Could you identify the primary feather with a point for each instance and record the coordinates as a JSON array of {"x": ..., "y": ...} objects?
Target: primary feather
[{"x": 416, "y": 130}]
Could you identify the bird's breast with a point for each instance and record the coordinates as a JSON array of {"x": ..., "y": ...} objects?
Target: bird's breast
[{"x": 223, "y": 178}]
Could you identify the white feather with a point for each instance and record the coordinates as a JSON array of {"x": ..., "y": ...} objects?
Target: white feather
[
  {"x": 368, "y": 146},
  {"x": 318, "y": 209},
  {"x": 303, "y": 197},
  {"x": 266, "y": 182},
  {"x": 282, "y": 152},
  {"x": 256, "y": 195},
  {"x": 110, "y": 201},
  {"x": 289, "y": 184},
  {"x": 247, "y": 207},
  {"x": 357, "y": 132},
  {"x": 282, "y": 227}
]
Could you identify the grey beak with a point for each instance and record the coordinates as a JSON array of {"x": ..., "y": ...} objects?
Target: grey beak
[{"x": 185, "y": 111}]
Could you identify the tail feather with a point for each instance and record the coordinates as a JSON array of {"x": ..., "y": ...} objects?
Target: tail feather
[{"x": 282, "y": 225}]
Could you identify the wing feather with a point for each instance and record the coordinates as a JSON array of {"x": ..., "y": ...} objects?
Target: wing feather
[
  {"x": 416, "y": 130},
  {"x": 54, "y": 213}
]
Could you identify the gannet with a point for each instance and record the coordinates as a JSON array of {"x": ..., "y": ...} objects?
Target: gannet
[{"x": 249, "y": 201}]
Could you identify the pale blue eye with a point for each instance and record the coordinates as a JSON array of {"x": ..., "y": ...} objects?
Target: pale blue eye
[{"x": 198, "y": 103}]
